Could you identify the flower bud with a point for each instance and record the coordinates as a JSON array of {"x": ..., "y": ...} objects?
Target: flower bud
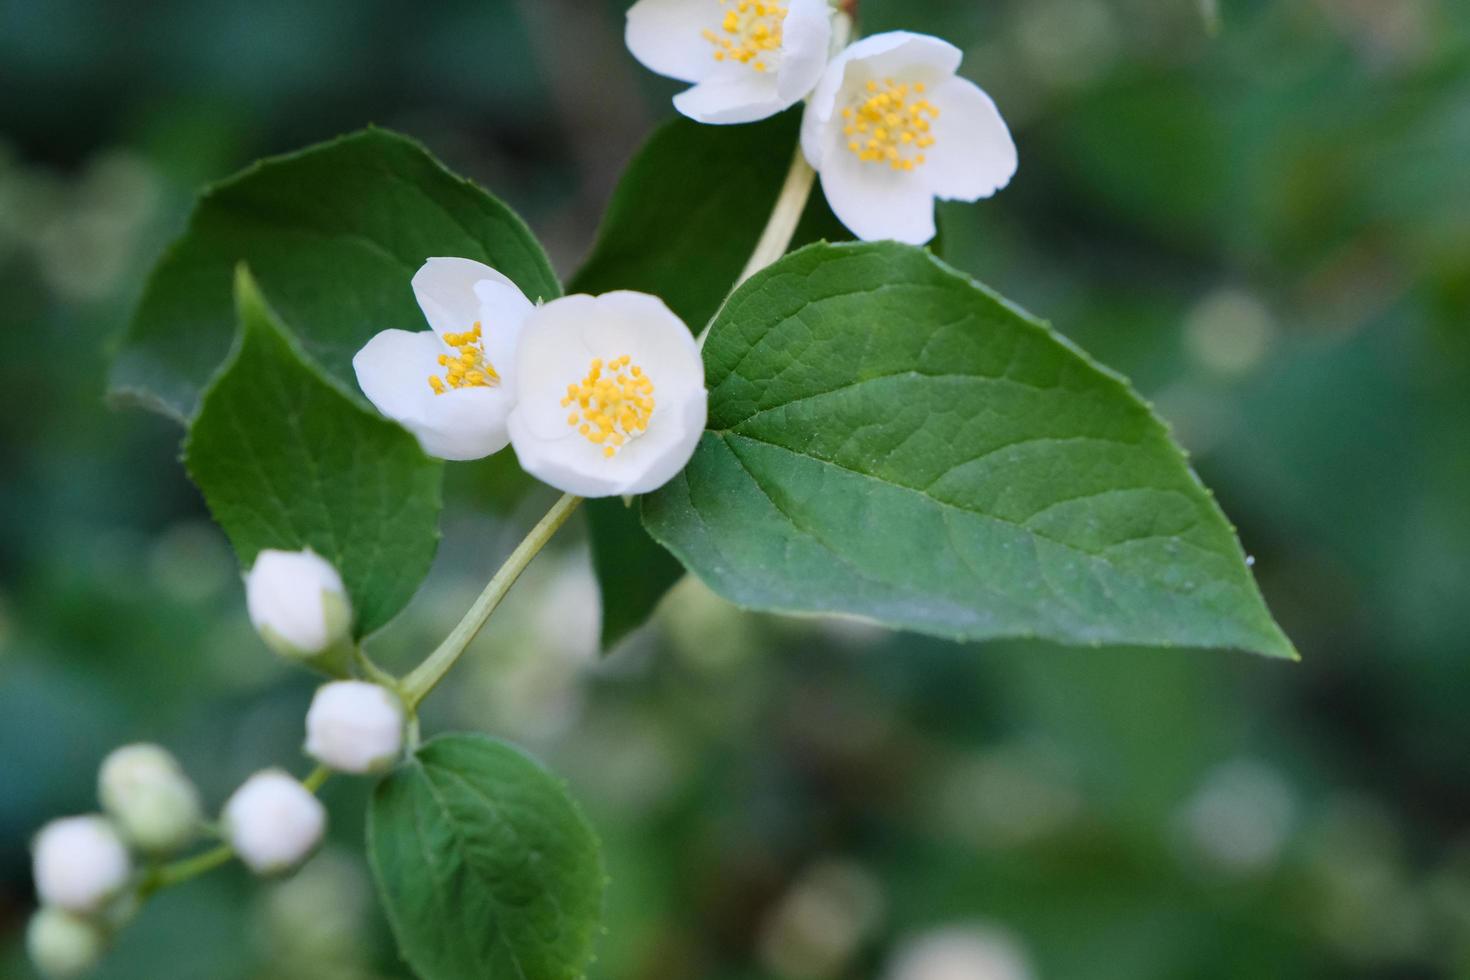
[
  {"x": 299, "y": 606},
  {"x": 154, "y": 804},
  {"x": 62, "y": 944},
  {"x": 80, "y": 863},
  {"x": 273, "y": 822},
  {"x": 354, "y": 726}
]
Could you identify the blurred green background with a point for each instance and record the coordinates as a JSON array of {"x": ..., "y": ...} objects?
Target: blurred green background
[{"x": 1267, "y": 228}]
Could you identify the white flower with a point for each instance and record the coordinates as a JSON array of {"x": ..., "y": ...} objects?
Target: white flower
[
  {"x": 978, "y": 952},
  {"x": 273, "y": 822},
  {"x": 890, "y": 128},
  {"x": 80, "y": 863},
  {"x": 354, "y": 726},
  {"x": 298, "y": 603},
  {"x": 62, "y": 944},
  {"x": 155, "y": 805},
  {"x": 450, "y": 386},
  {"x": 610, "y": 394},
  {"x": 748, "y": 59}
]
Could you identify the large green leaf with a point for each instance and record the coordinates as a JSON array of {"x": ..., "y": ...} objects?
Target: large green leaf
[
  {"x": 682, "y": 224},
  {"x": 486, "y": 868},
  {"x": 890, "y": 439},
  {"x": 333, "y": 234},
  {"x": 287, "y": 460}
]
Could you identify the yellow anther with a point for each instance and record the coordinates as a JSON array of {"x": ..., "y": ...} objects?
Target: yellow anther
[
  {"x": 748, "y": 31},
  {"x": 896, "y": 122},
  {"x": 616, "y": 402},
  {"x": 467, "y": 367}
]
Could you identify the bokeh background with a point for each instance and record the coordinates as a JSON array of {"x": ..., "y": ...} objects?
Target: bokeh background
[{"x": 1259, "y": 211}]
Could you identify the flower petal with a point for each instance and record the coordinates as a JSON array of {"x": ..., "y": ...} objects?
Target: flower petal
[
  {"x": 666, "y": 36},
  {"x": 806, "y": 36},
  {"x": 393, "y": 371},
  {"x": 876, "y": 202},
  {"x": 503, "y": 313},
  {"x": 550, "y": 357},
  {"x": 570, "y": 466},
  {"x": 445, "y": 290},
  {"x": 905, "y": 57},
  {"x": 643, "y": 327},
  {"x": 973, "y": 155},
  {"x": 733, "y": 94},
  {"x": 467, "y": 423}
]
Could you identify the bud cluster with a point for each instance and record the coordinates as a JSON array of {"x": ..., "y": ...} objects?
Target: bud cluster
[
  {"x": 91, "y": 871},
  {"x": 84, "y": 866}
]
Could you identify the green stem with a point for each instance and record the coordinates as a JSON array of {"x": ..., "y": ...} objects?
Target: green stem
[
  {"x": 181, "y": 871},
  {"x": 785, "y": 216},
  {"x": 428, "y": 674},
  {"x": 316, "y": 779},
  {"x": 373, "y": 672}
]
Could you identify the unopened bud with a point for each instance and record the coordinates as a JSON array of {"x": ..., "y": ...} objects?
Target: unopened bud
[
  {"x": 299, "y": 606},
  {"x": 62, "y": 944},
  {"x": 354, "y": 726},
  {"x": 80, "y": 863},
  {"x": 273, "y": 822},
  {"x": 154, "y": 804}
]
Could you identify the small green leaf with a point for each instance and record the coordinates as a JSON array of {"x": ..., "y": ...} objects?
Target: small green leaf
[
  {"x": 333, "y": 234},
  {"x": 892, "y": 440},
  {"x": 682, "y": 224},
  {"x": 285, "y": 459},
  {"x": 633, "y": 571},
  {"x": 485, "y": 866}
]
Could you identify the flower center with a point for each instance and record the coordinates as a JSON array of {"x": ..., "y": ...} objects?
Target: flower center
[
  {"x": 750, "y": 32},
  {"x": 889, "y": 123},
  {"x": 467, "y": 366},
  {"x": 612, "y": 406}
]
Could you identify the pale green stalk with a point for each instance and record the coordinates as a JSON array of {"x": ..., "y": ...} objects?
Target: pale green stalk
[{"x": 426, "y": 675}]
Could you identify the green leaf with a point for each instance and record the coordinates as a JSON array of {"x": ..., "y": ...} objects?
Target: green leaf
[
  {"x": 286, "y": 459},
  {"x": 690, "y": 208},
  {"x": 892, "y": 440},
  {"x": 682, "y": 224},
  {"x": 633, "y": 571},
  {"x": 485, "y": 866},
  {"x": 333, "y": 234}
]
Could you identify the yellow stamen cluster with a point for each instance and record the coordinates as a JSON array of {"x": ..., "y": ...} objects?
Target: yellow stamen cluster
[
  {"x": 891, "y": 124},
  {"x": 749, "y": 33},
  {"x": 466, "y": 367},
  {"x": 611, "y": 407}
]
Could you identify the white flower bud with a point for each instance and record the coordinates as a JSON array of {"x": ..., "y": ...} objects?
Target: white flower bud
[
  {"x": 80, "y": 863},
  {"x": 62, "y": 944},
  {"x": 298, "y": 604},
  {"x": 154, "y": 804},
  {"x": 273, "y": 822},
  {"x": 354, "y": 726}
]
